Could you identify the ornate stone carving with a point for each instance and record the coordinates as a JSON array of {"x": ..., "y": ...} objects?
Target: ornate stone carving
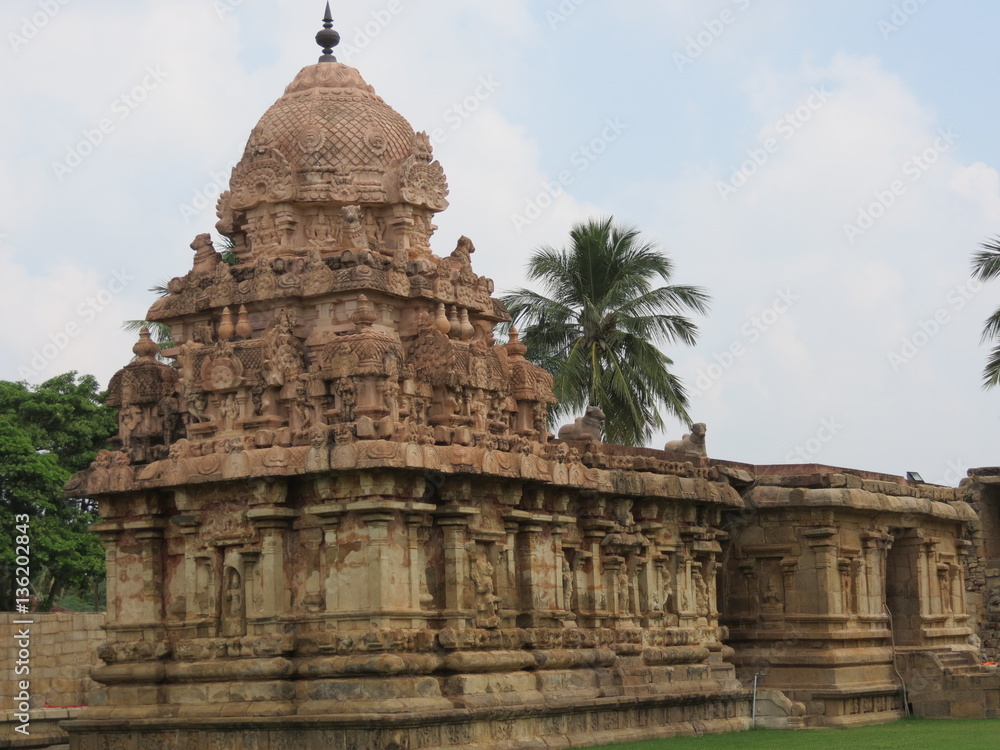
[
  {"x": 588, "y": 427},
  {"x": 263, "y": 176},
  {"x": 693, "y": 443},
  {"x": 422, "y": 181}
]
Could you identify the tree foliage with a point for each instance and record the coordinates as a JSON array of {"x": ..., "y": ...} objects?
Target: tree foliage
[
  {"x": 986, "y": 267},
  {"x": 48, "y": 433},
  {"x": 599, "y": 322}
]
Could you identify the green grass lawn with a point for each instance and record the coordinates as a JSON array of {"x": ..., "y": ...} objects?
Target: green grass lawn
[{"x": 911, "y": 734}]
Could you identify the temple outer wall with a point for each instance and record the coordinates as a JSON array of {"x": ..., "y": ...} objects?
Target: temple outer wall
[
  {"x": 63, "y": 652},
  {"x": 834, "y": 584},
  {"x": 982, "y": 491}
]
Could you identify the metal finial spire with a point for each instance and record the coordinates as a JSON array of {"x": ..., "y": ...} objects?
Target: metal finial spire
[{"x": 328, "y": 38}]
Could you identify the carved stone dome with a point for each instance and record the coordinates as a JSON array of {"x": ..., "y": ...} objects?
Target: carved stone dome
[{"x": 328, "y": 138}]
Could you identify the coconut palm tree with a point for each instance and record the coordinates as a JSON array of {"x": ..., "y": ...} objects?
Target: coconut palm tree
[
  {"x": 598, "y": 323},
  {"x": 985, "y": 267}
]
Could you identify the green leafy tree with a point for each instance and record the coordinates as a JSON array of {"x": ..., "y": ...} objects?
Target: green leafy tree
[
  {"x": 986, "y": 267},
  {"x": 48, "y": 433},
  {"x": 599, "y": 322}
]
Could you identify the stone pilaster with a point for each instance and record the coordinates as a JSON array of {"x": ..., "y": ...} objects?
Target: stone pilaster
[{"x": 273, "y": 525}]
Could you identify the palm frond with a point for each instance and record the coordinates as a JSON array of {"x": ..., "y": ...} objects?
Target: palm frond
[
  {"x": 986, "y": 263},
  {"x": 991, "y": 373}
]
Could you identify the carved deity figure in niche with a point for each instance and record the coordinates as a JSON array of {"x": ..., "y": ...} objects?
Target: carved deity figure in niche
[
  {"x": 257, "y": 398},
  {"x": 285, "y": 361},
  {"x": 229, "y": 410},
  {"x": 264, "y": 233},
  {"x": 624, "y": 584},
  {"x": 479, "y": 409},
  {"x": 197, "y": 404},
  {"x": 945, "y": 578},
  {"x": 233, "y": 604},
  {"x": 129, "y": 418},
  {"x": 486, "y": 599},
  {"x": 347, "y": 392},
  {"x": 303, "y": 408},
  {"x": 169, "y": 411},
  {"x": 668, "y": 591},
  {"x": 700, "y": 592},
  {"x": 569, "y": 589},
  {"x": 771, "y": 597},
  {"x": 319, "y": 231},
  {"x": 390, "y": 397}
]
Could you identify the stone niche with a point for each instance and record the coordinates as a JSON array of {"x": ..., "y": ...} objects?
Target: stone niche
[{"x": 336, "y": 518}]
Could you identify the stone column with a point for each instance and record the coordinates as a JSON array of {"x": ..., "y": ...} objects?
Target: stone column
[
  {"x": 149, "y": 534},
  {"x": 561, "y": 569},
  {"x": 507, "y": 577},
  {"x": 187, "y": 526},
  {"x": 528, "y": 583},
  {"x": 823, "y": 541},
  {"x": 618, "y": 594},
  {"x": 330, "y": 516},
  {"x": 110, "y": 533},
  {"x": 454, "y": 521},
  {"x": 594, "y": 530},
  {"x": 249, "y": 560},
  {"x": 865, "y": 585},
  {"x": 926, "y": 570},
  {"x": 273, "y": 523},
  {"x": 963, "y": 548},
  {"x": 416, "y": 523}
]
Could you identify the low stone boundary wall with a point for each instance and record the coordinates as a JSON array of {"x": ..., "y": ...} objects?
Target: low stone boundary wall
[{"x": 62, "y": 649}]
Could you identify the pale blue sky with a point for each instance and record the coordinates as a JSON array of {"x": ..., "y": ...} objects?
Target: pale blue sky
[{"x": 832, "y": 359}]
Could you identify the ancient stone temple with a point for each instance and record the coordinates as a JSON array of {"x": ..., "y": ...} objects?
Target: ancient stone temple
[{"x": 335, "y": 519}]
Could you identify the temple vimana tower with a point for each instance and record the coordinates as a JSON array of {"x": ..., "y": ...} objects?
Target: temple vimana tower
[{"x": 335, "y": 518}]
